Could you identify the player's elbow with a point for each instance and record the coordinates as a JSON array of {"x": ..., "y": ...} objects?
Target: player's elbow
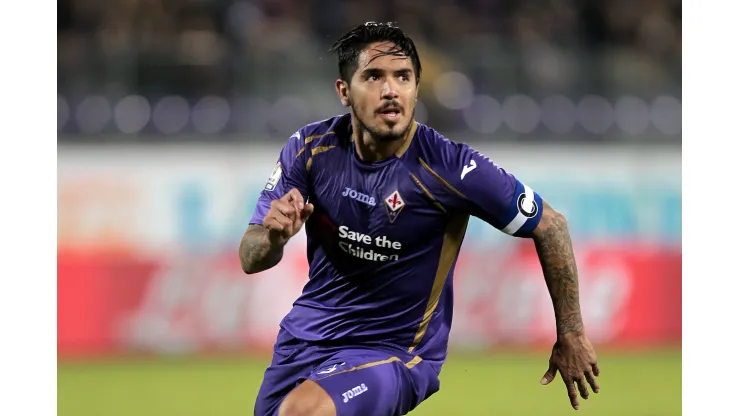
[
  {"x": 256, "y": 256},
  {"x": 551, "y": 220},
  {"x": 248, "y": 263},
  {"x": 252, "y": 267},
  {"x": 247, "y": 267}
]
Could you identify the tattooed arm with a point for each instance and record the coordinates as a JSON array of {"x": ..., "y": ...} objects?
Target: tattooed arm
[
  {"x": 262, "y": 245},
  {"x": 256, "y": 252},
  {"x": 573, "y": 355},
  {"x": 465, "y": 179},
  {"x": 555, "y": 251}
]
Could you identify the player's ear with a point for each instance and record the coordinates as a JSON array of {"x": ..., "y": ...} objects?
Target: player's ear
[{"x": 343, "y": 92}]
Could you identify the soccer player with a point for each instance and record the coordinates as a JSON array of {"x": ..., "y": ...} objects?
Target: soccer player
[{"x": 385, "y": 201}]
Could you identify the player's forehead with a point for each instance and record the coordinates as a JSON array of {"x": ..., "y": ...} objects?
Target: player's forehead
[{"x": 382, "y": 56}]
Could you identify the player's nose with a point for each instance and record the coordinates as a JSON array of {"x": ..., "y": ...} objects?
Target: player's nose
[{"x": 388, "y": 92}]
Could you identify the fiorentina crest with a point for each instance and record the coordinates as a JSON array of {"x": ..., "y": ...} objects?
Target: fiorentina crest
[{"x": 394, "y": 204}]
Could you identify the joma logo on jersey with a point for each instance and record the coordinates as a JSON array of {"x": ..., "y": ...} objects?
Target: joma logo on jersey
[
  {"x": 358, "y": 196},
  {"x": 350, "y": 394},
  {"x": 394, "y": 204}
]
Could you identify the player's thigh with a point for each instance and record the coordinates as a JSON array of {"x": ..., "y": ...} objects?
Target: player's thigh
[
  {"x": 308, "y": 399},
  {"x": 290, "y": 365},
  {"x": 277, "y": 383},
  {"x": 375, "y": 384}
]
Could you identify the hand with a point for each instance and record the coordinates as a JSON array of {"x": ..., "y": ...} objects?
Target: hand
[
  {"x": 574, "y": 357},
  {"x": 286, "y": 216}
]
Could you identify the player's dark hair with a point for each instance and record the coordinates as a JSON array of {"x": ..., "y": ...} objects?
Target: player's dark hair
[{"x": 349, "y": 46}]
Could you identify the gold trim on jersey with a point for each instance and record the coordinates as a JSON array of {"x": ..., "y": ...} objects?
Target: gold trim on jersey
[
  {"x": 409, "y": 137},
  {"x": 411, "y": 364},
  {"x": 427, "y": 193},
  {"x": 440, "y": 179},
  {"x": 451, "y": 242},
  {"x": 315, "y": 151},
  {"x": 309, "y": 139}
]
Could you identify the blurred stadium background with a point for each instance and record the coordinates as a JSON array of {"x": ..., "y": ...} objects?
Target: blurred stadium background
[{"x": 171, "y": 114}]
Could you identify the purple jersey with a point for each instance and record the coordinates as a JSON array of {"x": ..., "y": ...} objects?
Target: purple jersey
[{"x": 384, "y": 237}]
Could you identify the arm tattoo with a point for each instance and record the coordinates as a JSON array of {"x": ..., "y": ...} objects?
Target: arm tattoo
[
  {"x": 555, "y": 251},
  {"x": 256, "y": 252}
]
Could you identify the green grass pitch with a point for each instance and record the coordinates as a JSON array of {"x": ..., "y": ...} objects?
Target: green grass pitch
[{"x": 634, "y": 384}]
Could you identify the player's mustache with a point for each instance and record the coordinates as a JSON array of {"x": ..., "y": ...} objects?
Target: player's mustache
[{"x": 390, "y": 105}]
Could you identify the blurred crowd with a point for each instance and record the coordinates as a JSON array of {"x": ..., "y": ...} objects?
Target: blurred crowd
[{"x": 254, "y": 58}]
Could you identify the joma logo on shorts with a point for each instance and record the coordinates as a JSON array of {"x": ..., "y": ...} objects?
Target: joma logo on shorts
[
  {"x": 349, "y": 394},
  {"x": 359, "y": 196}
]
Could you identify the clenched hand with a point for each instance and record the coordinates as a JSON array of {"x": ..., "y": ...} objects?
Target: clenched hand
[{"x": 286, "y": 216}]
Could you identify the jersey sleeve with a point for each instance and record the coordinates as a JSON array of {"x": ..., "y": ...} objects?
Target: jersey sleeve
[
  {"x": 290, "y": 172},
  {"x": 477, "y": 186}
]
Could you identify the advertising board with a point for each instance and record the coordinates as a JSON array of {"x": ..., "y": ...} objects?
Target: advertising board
[{"x": 148, "y": 241}]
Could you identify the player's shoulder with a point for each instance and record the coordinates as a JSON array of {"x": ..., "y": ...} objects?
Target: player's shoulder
[
  {"x": 324, "y": 132},
  {"x": 436, "y": 150}
]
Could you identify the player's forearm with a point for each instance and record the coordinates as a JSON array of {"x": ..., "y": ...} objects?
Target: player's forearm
[
  {"x": 257, "y": 252},
  {"x": 555, "y": 251}
]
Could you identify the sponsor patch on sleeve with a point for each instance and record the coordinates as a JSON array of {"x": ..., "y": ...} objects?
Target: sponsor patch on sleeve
[{"x": 274, "y": 178}]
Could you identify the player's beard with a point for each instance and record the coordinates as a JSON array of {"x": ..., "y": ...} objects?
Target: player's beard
[{"x": 388, "y": 136}]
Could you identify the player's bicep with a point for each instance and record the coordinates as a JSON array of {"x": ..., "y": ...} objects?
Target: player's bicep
[
  {"x": 496, "y": 196},
  {"x": 551, "y": 219},
  {"x": 289, "y": 173},
  {"x": 523, "y": 212}
]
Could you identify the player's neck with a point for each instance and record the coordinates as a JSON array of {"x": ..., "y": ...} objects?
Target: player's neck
[{"x": 371, "y": 150}]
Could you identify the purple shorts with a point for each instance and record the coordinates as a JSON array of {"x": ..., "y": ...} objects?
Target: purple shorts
[{"x": 362, "y": 381}]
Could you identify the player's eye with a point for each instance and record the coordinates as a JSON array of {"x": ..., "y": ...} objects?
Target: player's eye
[
  {"x": 373, "y": 78},
  {"x": 404, "y": 78}
]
